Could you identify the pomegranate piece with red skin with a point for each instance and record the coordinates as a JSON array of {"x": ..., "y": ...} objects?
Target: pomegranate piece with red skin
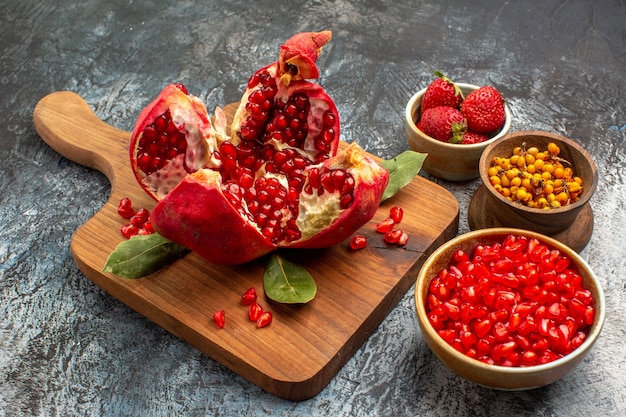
[
  {"x": 491, "y": 306},
  {"x": 278, "y": 181}
]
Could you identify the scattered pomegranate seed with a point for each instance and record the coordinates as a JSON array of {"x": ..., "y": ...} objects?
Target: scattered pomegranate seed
[
  {"x": 396, "y": 213},
  {"x": 264, "y": 319},
  {"x": 358, "y": 242},
  {"x": 514, "y": 303},
  {"x": 403, "y": 239},
  {"x": 129, "y": 230},
  {"x": 385, "y": 225},
  {"x": 392, "y": 236},
  {"x": 125, "y": 208},
  {"x": 249, "y": 297},
  {"x": 219, "y": 317},
  {"x": 255, "y": 311}
]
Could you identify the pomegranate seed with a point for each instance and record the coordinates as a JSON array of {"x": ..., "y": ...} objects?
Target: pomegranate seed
[
  {"x": 129, "y": 230},
  {"x": 403, "y": 239},
  {"x": 249, "y": 297},
  {"x": 385, "y": 225},
  {"x": 358, "y": 242},
  {"x": 514, "y": 303},
  {"x": 396, "y": 213},
  {"x": 264, "y": 319},
  {"x": 392, "y": 236},
  {"x": 219, "y": 317},
  {"x": 255, "y": 311},
  {"x": 125, "y": 208}
]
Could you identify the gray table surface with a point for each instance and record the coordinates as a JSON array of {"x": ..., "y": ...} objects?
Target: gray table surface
[{"x": 69, "y": 349}]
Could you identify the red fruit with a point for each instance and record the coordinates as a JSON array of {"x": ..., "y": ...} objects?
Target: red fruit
[
  {"x": 443, "y": 123},
  {"x": 219, "y": 317},
  {"x": 255, "y": 311},
  {"x": 392, "y": 236},
  {"x": 403, "y": 239},
  {"x": 129, "y": 230},
  {"x": 385, "y": 225},
  {"x": 442, "y": 91},
  {"x": 172, "y": 137},
  {"x": 484, "y": 110},
  {"x": 125, "y": 208},
  {"x": 358, "y": 242},
  {"x": 264, "y": 319},
  {"x": 277, "y": 182},
  {"x": 396, "y": 213},
  {"x": 471, "y": 137},
  {"x": 249, "y": 297}
]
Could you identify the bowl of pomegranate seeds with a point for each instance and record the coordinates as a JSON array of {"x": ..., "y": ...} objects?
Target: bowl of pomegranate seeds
[
  {"x": 508, "y": 308},
  {"x": 540, "y": 181},
  {"x": 453, "y": 123}
]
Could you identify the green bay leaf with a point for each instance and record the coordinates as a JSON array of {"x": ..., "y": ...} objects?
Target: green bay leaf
[
  {"x": 402, "y": 170},
  {"x": 142, "y": 255},
  {"x": 287, "y": 282}
]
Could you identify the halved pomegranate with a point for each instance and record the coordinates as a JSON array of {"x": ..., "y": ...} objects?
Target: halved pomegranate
[{"x": 278, "y": 181}]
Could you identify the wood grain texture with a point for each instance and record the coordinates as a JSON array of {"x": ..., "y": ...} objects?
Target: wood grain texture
[{"x": 306, "y": 345}]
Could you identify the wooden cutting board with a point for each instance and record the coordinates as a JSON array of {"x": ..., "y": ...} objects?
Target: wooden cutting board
[{"x": 306, "y": 345}]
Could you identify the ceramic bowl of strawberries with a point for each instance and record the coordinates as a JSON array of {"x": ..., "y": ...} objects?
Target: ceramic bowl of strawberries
[
  {"x": 453, "y": 123},
  {"x": 509, "y": 309}
]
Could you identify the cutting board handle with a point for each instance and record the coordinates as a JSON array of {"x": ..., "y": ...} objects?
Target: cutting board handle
[{"x": 66, "y": 122}]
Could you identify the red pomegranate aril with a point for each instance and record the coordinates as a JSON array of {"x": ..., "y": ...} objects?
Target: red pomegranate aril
[
  {"x": 392, "y": 236},
  {"x": 255, "y": 311},
  {"x": 129, "y": 230},
  {"x": 249, "y": 297},
  {"x": 532, "y": 308},
  {"x": 358, "y": 242},
  {"x": 385, "y": 225},
  {"x": 125, "y": 208},
  {"x": 219, "y": 318},
  {"x": 264, "y": 319}
]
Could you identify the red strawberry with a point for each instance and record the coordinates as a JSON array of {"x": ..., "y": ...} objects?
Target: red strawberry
[
  {"x": 471, "y": 137},
  {"x": 484, "y": 110},
  {"x": 443, "y": 123},
  {"x": 441, "y": 92}
]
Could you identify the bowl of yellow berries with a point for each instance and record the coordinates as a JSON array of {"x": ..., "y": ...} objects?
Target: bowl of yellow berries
[{"x": 538, "y": 181}]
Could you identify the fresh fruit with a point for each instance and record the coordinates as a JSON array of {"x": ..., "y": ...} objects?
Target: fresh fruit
[
  {"x": 358, "y": 242},
  {"x": 277, "y": 182},
  {"x": 442, "y": 91},
  {"x": 173, "y": 137},
  {"x": 470, "y": 137},
  {"x": 249, "y": 297},
  {"x": 255, "y": 311},
  {"x": 534, "y": 178},
  {"x": 265, "y": 319},
  {"x": 125, "y": 208},
  {"x": 219, "y": 317},
  {"x": 484, "y": 110},
  {"x": 385, "y": 225},
  {"x": 443, "y": 123},
  {"x": 396, "y": 213},
  {"x": 516, "y": 302}
]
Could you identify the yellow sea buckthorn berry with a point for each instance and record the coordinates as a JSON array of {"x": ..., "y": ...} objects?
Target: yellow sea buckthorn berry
[
  {"x": 546, "y": 175},
  {"x": 530, "y": 159},
  {"x": 523, "y": 195},
  {"x": 492, "y": 171},
  {"x": 574, "y": 187},
  {"x": 548, "y": 168},
  {"x": 568, "y": 172},
  {"x": 531, "y": 169},
  {"x": 553, "y": 148},
  {"x": 551, "y": 197},
  {"x": 542, "y": 202},
  {"x": 514, "y": 158},
  {"x": 538, "y": 164},
  {"x": 533, "y": 150},
  {"x": 562, "y": 197},
  {"x": 505, "y": 181},
  {"x": 494, "y": 180},
  {"x": 520, "y": 163},
  {"x": 516, "y": 181},
  {"x": 578, "y": 180},
  {"x": 526, "y": 183},
  {"x": 498, "y": 188},
  {"x": 548, "y": 187},
  {"x": 517, "y": 150},
  {"x": 506, "y": 192},
  {"x": 555, "y": 204},
  {"x": 512, "y": 173},
  {"x": 559, "y": 172}
]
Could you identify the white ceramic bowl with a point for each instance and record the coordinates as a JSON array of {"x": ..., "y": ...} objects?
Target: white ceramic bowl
[
  {"x": 449, "y": 161},
  {"x": 493, "y": 376}
]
